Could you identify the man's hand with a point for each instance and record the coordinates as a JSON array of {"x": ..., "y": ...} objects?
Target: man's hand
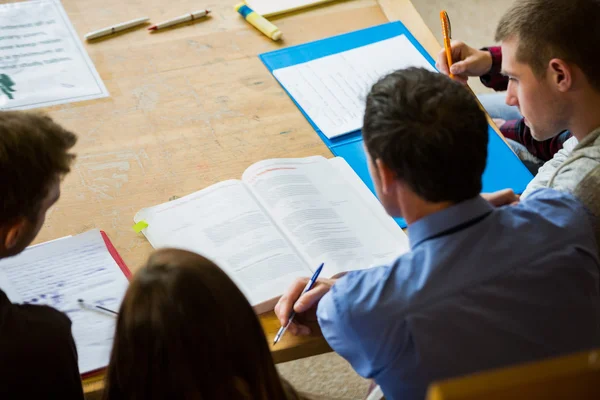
[
  {"x": 467, "y": 61},
  {"x": 501, "y": 198},
  {"x": 306, "y": 304},
  {"x": 499, "y": 122}
]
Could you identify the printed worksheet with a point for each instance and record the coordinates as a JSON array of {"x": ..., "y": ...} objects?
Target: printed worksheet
[
  {"x": 42, "y": 60},
  {"x": 332, "y": 90},
  {"x": 61, "y": 272}
]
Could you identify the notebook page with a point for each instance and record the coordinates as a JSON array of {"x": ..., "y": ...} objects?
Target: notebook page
[
  {"x": 225, "y": 223},
  {"x": 322, "y": 214},
  {"x": 61, "y": 272},
  {"x": 332, "y": 90}
]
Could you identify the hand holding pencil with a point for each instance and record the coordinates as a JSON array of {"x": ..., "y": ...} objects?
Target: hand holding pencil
[{"x": 459, "y": 60}]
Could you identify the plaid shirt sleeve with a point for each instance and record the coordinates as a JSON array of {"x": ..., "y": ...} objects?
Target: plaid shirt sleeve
[
  {"x": 520, "y": 133},
  {"x": 494, "y": 79}
]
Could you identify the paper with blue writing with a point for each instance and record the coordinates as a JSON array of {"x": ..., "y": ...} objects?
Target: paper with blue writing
[{"x": 59, "y": 273}]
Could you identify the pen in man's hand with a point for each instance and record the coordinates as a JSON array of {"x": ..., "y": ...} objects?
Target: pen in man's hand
[{"x": 308, "y": 286}]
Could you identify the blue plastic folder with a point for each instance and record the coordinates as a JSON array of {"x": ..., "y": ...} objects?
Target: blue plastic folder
[{"x": 503, "y": 170}]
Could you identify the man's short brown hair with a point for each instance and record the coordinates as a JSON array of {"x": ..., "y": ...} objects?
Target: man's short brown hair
[
  {"x": 430, "y": 131},
  {"x": 547, "y": 29},
  {"x": 34, "y": 151}
]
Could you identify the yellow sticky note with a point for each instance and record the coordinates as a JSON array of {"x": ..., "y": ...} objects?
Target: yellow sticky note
[{"x": 140, "y": 226}]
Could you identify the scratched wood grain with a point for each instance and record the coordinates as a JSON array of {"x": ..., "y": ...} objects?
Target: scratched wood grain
[{"x": 189, "y": 106}]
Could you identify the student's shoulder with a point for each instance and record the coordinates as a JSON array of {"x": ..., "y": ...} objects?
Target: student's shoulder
[
  {"x": 583, "y": 160},
  {"x": 36, "y": 335},
  {"x": 558, "y": 210},
  {"x": 574, "y": 171},
  {"x": 587, "y": 191},
  {"x": 37, "y": 345},
  {"x": 41, "y": 314},
  {"x": 548, "y": 203},
  {"x": 36, "y": 324},
  {"x": 548, "y": 197}
]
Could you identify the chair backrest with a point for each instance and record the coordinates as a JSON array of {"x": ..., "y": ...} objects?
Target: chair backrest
[{"x": 575, "y": 376}]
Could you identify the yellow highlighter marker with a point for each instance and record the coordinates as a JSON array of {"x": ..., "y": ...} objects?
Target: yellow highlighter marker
[{"x": 258, "y": 21}]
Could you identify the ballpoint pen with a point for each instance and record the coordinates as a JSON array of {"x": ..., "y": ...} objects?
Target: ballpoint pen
[
  {"x": 308, "y": 286},
  {"x": 83, "y": 304}
]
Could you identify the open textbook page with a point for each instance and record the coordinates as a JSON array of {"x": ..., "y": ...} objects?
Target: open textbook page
[
  {"x": 225, "y": 223},
  {"x": 59, "y": 273},
  {"x": 332, "y": 90},
  {"x": 280, "y": 222},
  {"x": 323, "y": 215}
]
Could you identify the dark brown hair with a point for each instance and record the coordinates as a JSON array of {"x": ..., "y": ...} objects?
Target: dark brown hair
[
  {"x": 547, "y": 29},
  {"x": 34, "y": 151},
  {"x": 185, "y": 331},
  {"x": 430, "y": 131}
]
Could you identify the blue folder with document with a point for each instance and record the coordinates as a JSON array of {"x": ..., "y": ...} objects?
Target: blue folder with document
[{"x": 503, "y": 170}]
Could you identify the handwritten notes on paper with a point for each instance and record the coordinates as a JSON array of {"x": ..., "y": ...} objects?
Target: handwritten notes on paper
[
  {"x": 42, "y": 61},
  {"x": 59, "y": 273},
  {"x": 332, "y": 89}
]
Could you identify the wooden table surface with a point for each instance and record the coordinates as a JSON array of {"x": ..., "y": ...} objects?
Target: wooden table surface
[{"x": 189, "y": 106}]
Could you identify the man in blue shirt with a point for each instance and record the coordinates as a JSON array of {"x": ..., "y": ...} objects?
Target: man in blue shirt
[{"x": 482, "y": 287}]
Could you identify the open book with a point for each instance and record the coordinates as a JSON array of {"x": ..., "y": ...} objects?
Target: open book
[
  {"x": 281, "y": 221},
  {"x": 58, "y": 274}
]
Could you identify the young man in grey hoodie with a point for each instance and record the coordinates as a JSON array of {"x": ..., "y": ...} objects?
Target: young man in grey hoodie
[{"x": 550, "y": 54}]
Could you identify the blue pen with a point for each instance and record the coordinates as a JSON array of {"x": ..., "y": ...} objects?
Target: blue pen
[{"x": 308, "y": 286}]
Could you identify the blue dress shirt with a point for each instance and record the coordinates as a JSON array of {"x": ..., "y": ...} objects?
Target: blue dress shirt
[{"x": 482, "y": 287}]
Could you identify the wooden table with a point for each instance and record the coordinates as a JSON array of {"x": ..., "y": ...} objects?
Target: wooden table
[{"x": 189, "y": 106}]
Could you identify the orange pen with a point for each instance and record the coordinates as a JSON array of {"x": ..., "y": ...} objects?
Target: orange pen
[{"x": 447, "y": 32}]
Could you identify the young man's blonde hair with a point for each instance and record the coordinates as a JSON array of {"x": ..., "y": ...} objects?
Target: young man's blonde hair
[{"x": 547, "y": 29}]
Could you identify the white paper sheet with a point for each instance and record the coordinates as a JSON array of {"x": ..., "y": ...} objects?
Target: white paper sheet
[
  {"x": 324, "y": 216},
  {"x": 268, "y": 8},
  {"x": 224, "y": 222},
  {"x": 42, "y": 60},
  {"x": 61, "y": 272},
  {"x": 332, "y": 90}
]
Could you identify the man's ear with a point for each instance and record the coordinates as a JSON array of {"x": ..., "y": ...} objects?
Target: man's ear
[
  {"x": 561, "y": 74},
  {"x": 386, "y": 177},
  {"x": 13, "y": 232}
]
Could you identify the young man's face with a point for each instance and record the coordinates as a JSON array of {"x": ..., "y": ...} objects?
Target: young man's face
[
  {"x": 28, "y": 228},
  {"x": 537, "y": 98}
]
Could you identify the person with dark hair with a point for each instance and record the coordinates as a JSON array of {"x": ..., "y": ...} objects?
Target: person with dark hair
[
  {"x": 185, "y": 331},
  {"x": 38, "y": 358},
  {"x": 464, "y": 298},
  {"x": 549, "y": 64}
]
